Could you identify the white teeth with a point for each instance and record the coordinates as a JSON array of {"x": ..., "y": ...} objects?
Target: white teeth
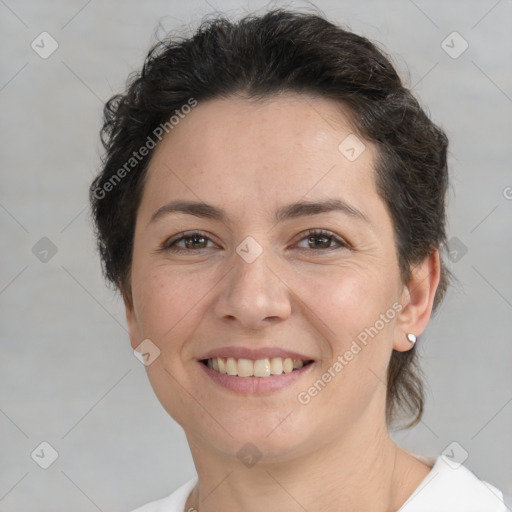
[
  {"x": 231, "y": 366},
  {"x": 276, "y": 366},
  {"x": 245, "y": 368},
  {"x": 259, "y": 368}
]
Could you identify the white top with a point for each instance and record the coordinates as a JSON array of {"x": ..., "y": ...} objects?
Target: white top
[{"x": 447, "y": 488}]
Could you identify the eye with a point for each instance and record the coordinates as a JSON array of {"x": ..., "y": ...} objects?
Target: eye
[
  {"x": 196, "y": 241},
  {"x": 322, "y": 239},
  {"x": 192, "y": 240}
]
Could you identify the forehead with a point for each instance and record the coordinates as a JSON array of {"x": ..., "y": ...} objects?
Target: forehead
[{"x": 269, "y": 152}]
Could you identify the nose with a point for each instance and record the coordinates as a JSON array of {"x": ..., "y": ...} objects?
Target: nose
[{"x": 253, "y": 293}]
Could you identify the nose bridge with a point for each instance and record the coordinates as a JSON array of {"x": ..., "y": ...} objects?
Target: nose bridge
[
  {"x": 253, "y": 292},
  {"x": 252, "y": 265},
  {"x": 253, "y": 278}
]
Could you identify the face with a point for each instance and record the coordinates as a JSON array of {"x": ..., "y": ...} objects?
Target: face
[{"x": 264, "y": 279}]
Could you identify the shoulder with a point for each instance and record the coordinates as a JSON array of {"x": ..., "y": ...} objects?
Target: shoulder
[
  {"x": 175, "y": 502},
  {"x": 451, "y": 486}
]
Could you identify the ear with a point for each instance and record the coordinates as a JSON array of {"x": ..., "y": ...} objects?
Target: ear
[
  {"x": 131, "y": 320},
  {"x": 417, "y": 301}
]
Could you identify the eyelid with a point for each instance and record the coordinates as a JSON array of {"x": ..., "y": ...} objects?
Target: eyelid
[
  {"x": 327, "y": 233},
  {"x": 170, "y": 242}
]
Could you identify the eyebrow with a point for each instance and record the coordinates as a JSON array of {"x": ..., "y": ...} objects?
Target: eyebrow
[{"x": 291, "y": 211}]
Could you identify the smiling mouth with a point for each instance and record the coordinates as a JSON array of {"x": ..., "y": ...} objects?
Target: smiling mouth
[{"x": 254, "y": 368}]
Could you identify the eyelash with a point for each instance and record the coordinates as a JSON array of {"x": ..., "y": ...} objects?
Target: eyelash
[{"x": 169, "y": 245}]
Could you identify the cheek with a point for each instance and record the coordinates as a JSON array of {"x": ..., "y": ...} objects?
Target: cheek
[
  {"x": 171, "y": 306},
  {"x": 356, "y": 306},
  {"x": 351, "y": 297},
  {"x": 165, "y": 300},
  {"x": 358, "y": 311}
]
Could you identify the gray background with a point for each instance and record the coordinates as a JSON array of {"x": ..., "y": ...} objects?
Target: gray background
[{"x": 68, "y": 376}]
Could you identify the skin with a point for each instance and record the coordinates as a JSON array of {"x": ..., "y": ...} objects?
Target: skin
[{"x": 251, "y": 158}]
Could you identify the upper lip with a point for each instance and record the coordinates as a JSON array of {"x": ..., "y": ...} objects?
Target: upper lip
[{"x": 254, "y": 353}]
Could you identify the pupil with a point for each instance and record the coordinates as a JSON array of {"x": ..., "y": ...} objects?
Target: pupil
[
  {"x": 313, "y": 239},
  {"x": 192, "y": 240}
]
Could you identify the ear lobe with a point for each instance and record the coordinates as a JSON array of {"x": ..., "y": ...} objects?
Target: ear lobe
[{"x": 417, "y": 301}]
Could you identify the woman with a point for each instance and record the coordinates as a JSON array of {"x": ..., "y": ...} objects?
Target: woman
[{"x": 272, "y": 208}]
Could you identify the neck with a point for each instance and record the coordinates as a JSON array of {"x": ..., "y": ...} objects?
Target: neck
[{"x": 363, "y": 471}]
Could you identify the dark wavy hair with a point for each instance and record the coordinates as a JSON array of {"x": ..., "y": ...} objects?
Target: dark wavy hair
[{"x": 261, "y": 56}]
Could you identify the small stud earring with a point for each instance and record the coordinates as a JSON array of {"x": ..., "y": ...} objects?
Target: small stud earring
[{"x": 411, "y": 338}]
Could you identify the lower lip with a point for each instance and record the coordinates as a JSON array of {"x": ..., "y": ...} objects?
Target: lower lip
[{"x": 255, "y": 385}]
